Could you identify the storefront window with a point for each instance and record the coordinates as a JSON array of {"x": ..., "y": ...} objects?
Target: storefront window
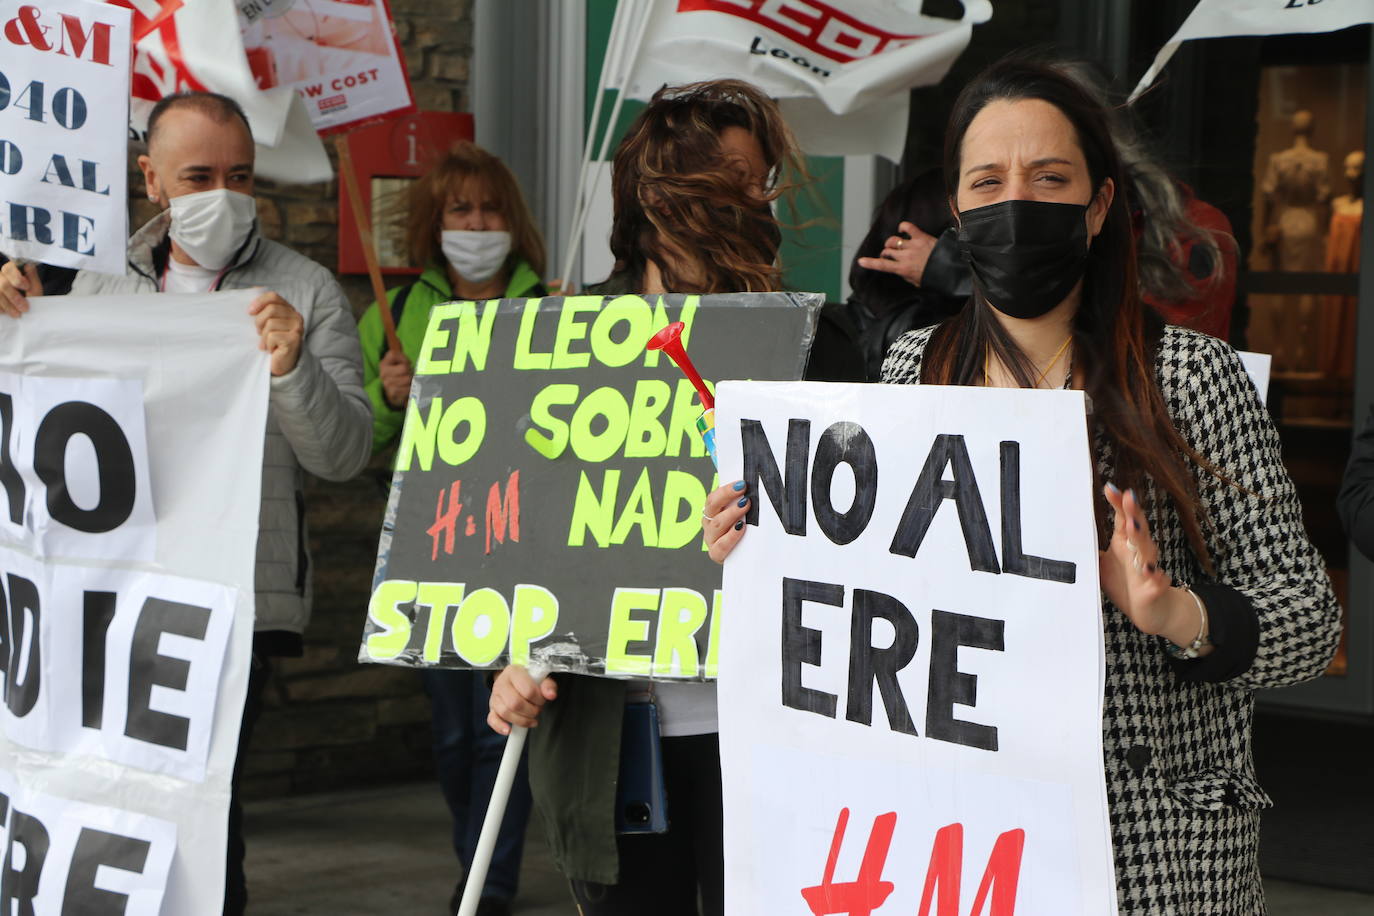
[{"x": 1302, "y": 287}]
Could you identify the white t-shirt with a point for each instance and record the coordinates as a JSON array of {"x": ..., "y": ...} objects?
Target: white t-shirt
[{"x": 188, "y": 278}]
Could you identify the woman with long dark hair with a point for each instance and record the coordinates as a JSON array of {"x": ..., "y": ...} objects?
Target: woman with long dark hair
[
  {"x": 1211, "y": 587},
  {"x": 693, "y": 181}
]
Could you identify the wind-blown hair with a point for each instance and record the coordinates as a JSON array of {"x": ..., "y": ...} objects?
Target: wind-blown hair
[
  {"x": 426, "y": 199},
  {"x": 679, "y": 205},
  {"x": 1115, "y": 337},
  {"x": 1165, "y": 226}
]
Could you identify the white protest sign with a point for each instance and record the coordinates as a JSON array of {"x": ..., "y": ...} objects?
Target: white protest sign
[
  {"x": 64, "y": 111},
  {"x": 125, "y": 671},
  {"x": 341, "y": 56},
  {"x": 81, "y": 858},
  {"x": 1223, "y": 18},
  {"x": 1258, "y": 366},
  {"x": 912, "y": 657}
]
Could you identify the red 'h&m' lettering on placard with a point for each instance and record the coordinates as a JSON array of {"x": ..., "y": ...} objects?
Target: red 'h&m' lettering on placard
[
  {"x": 73, "y": 38},
  {"x": 500, "y": 513},
  {"x": 819, "y": 26},
  {"x": 864, "y": 895},
  {"x": 946, "y": 866},
  {"x": 446, "y": 523}
]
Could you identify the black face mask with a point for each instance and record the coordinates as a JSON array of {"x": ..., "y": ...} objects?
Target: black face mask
[{"x": 1026, "y": 255}]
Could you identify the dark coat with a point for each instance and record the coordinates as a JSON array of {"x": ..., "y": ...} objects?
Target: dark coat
[
  {"x": 1181, "y": 786},
  {"x": 1356, "y": 500}
]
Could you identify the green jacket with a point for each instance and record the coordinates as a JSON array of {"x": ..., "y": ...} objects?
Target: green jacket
[{"x": 412, "y": 317}]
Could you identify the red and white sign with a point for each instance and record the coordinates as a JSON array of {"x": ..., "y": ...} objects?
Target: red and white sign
[
  {"x": 836, "y": 65},
  {"x": 341, "y": 56},
  {"x": 911, "y": 665}
]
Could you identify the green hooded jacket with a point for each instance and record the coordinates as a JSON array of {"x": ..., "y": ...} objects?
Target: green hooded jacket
[{"x": 411, "y": 312}]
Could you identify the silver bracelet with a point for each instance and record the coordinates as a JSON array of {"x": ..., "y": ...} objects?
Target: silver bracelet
[{"x": 1203, "y": 638}]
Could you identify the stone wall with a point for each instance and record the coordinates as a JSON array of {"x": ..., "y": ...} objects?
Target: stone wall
[{"x": 329, "y": 722}]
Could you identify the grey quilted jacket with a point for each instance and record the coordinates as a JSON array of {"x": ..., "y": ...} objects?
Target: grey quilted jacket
[{"x": 318, "y": 417}]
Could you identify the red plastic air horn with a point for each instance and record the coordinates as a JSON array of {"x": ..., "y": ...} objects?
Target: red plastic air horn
[{"x": 669, "y": 340}]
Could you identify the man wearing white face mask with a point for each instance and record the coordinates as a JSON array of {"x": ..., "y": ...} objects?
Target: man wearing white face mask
[{"x": 199, "y": 166}]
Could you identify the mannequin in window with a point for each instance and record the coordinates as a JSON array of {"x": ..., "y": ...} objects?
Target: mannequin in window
[
  {"x": 1296, "y": 190},
  {"x": 1343, "y": 256}
]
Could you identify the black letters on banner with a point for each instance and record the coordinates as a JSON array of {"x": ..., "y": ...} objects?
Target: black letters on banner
[
  {"x": 95, "y": 848},
  {"x": 21, "y": 886},
  {"x": 115, "y": 466},
  {"x": 843, "y": 443},
  {"x": 761, "y": 469},
  {"x": 1014, "y": 560},
  {"x": 10, "y": 478},
  {"x": 22, "y": 596},
  {"x": 802, "y": 645},
  {"x": 148, "y": 669},
  {"x": 949, "y": 685},
  {"x": 867, "y": 664},
  {"x": 97, "y": 611},
  {"x": 932, "y": 489}
]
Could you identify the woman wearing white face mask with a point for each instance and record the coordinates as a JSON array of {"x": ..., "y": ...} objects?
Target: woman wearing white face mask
[{"x": 471, "y": 232}]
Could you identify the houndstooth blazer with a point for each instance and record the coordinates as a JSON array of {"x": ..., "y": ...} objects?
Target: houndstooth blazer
[{"x": 1180, "y": 778}]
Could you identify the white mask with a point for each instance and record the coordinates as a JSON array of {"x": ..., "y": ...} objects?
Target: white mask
[
  {"x": 211, "y": 226},
  {"x": 477, "y": 256}
]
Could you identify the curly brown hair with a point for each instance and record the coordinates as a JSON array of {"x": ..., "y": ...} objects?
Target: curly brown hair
[
  {"x": 681, "y": 206},
  {"x": 427, "y": 197}
]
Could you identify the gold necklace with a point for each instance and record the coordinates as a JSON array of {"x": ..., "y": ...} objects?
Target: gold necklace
[{"x": 987, "y": 355}]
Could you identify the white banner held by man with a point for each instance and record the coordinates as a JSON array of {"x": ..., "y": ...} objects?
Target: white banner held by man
[
  {"x": 1228, "y": 18},
  {"x": 64, "y": 103},
  {"x": 911, "y": 668},
  {"x": 126, "y": 634}
]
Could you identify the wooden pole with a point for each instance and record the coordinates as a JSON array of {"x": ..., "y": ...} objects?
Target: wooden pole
[{"x": 364, "y": 225}]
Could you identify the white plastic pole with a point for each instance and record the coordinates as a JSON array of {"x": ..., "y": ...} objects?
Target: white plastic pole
[
  {"x": 584, "y": 197},
  {"x": 496, "y": 809}
]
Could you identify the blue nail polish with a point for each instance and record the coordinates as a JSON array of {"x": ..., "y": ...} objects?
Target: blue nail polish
[
  {"x": 1136, "y": 522},
  {"x": 1113, "y": 487},
  {"x": 739, "y": 485},
  {"x": 743, "y": 501},
  {"x": 739, "y": 524}
]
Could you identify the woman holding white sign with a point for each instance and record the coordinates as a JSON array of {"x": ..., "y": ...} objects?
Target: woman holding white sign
[
  {"x": 693, "y": 180},
  {"x": 1211, "y": 586}
]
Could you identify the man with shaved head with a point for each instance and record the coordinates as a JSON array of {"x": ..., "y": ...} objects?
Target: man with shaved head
[{"x": 199, "y": 168}]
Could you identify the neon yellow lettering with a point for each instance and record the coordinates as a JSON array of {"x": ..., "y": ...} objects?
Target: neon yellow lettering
[
  {"x": 417, "y": 436},
  {"x": 680, "y": 615},
  {"x": 661, "y": 321},
  {"x": 597, "y": 447},
  {"x": 713, "y": 641},
  {"x": 464, "y": 410},
  {"x": 624, "y": 629},
  {"x": 682, "y": 422},
  {"x": 474, "y": 335},
  {"x": 436, "y": 338},
  {"x": 525, "y": 357},
  {"x": 383, "y": 609},
  {"x": 639, "y": 511},
  {"x": 438, "y": 597},
  {"x": 571, "y": 330},
  {"x": 534, "y": 616},
  {"x": 481, "y": 627},
  {"x": 635, "y": 314},
  {"x": 683, "y": 499},
  {"x": 646, "y": 437},
  {"x": 592, "y": 513},
  {"x": 552, "y": 444}
]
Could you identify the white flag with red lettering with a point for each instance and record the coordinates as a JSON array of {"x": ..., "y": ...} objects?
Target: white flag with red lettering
[
  {"x": 196, "y": 45},
  {"x": 842, "y": 70},
  {"x": 1223, "y": 18}
]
